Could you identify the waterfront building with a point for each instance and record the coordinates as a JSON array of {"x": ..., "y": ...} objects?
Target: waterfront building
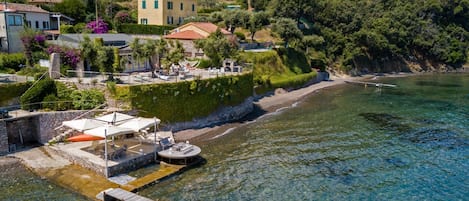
[
  {"x": 165, "y": 12},
  {"x": 188, "y": 33}
]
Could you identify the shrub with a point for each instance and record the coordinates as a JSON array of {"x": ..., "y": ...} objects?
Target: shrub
[
  {"x": 37, "y": 93},
  {"x": 240, "y": 36},
  {"x": 64, "y": 29},
  {"x": 12, "y": 90},
  {"x": 204, "y": 63},
  {"x": 143, "y": 29},
  {"x": 12, "y": 61},
  {"x": 98, "y": 26},
  {"x": 87, "y": 99},
  {"x": 32, "y": 71}
]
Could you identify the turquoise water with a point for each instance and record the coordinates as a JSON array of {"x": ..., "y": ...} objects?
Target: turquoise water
[{"x": 343, "y": 143}]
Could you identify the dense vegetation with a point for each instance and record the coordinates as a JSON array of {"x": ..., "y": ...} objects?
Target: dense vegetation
[
  {"x": 11, "y": 91},
  {"x": 49, "y": 94},
  {"x": 285, "y": 68},
  {"x": 183, "y": 101},
  {"x": 369, "y": 35}
]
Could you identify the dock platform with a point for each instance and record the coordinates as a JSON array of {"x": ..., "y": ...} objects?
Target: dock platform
[
  {"x": 380, "y": 85},
  {"x": 120, "y": 194},
  {"x": 164, "y": 171}
]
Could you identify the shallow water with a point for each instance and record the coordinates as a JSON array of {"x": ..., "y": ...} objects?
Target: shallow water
[
  {"x": 18, "y": 183},
  {"x": 343, "y": 143}
]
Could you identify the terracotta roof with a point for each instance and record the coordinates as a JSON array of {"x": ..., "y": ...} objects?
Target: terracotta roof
[
  {"x": 23, "y": 8},
  {"x": 45, "y": 1},
  {"x": 185, "y": 35},
  {"x": 206, "y": 26}
]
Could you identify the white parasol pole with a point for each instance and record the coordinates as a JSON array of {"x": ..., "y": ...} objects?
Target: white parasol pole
[{"x": 105, "y": 152}]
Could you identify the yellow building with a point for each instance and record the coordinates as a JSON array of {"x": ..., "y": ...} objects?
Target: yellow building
[{"x": 165, "y": 12}]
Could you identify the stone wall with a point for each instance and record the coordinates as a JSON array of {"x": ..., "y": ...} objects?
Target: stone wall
[
  {"x": 3, "y": 137},
  {"x": 22, "y": 132},
  {"x": 51, "y": 120},
  {"x": 226, "y": 114}
]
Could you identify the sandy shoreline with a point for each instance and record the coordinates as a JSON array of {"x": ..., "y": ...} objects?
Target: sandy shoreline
[{"x": 271, "y": 104}]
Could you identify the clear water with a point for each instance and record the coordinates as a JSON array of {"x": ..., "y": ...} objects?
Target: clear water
[
  {"x": 342, "y": 143},
  {"x": 18, "y": 183}
]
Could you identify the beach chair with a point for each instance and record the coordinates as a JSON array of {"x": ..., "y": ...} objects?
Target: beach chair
[{"x": 166, "y": 134}]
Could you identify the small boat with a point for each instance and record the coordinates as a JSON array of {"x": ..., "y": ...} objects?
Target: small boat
[{"x": 83, "y": 137}]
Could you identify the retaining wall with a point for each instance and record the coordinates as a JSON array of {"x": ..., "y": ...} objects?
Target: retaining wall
[
  {"x": 3, "y": 137},
  {"x": 51, "y": 120},
  {"x": 226, "y": 114}
]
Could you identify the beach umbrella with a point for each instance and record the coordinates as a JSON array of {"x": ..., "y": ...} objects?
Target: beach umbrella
[
  {"x": 115, "y": 118},
  {"x": 83, "y": 124},
  {"x": 140, "y": 123},
  {"x": 108, "y": 130}
]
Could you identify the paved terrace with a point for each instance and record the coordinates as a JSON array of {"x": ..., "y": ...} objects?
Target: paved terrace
[{"x": 146, "y": 77}]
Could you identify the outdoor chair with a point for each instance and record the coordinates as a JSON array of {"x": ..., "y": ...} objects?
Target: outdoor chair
[
  {"x": 165, "y": 143},
  {"x": 118, "y": 153}
]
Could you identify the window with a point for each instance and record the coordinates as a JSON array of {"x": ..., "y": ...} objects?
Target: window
[
  {"x": 45, "y": 25},
  {"x": 169, "y": 20},
  {"x": 28, "y": 23},
  {"x": 144, "y": 4},
  {"x": 156, "y": 4},
  {"x": 37, "y": 24},
  {"x": 182, "y": 6},
  {"x": 15, "y": 20},
  {"x": 193, "y": 7},
  {"x": 180, "y": 20},
  {"x": 170, "y": 5},
  {"x": 143, "y": 21}
]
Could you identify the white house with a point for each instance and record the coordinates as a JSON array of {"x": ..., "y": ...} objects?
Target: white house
[{"x": 12, "y": 19}]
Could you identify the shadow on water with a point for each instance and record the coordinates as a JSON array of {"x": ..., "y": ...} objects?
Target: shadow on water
[
  {"x": 386, "y": 121},
  {"x": 336, "y": 171},
  {"x": 433, "y": 137},
  {"x": 437, "y": 84},
  {"x": 436, "y": 138},
  {"x": 398, "y": 162}
]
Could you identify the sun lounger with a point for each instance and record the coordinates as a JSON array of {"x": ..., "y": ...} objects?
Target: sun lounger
[{"x": 164, "y": 77}]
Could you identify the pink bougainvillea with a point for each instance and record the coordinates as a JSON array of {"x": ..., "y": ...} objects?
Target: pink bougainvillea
[
  {"x": 68, "y": 57},
  {"x": 97, "y": 27}
]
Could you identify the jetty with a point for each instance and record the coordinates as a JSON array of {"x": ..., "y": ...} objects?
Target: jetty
[
  {"x": 379, "y": 85},
  {"x": 164, "y": 171},
  {"x": 119, "y": 194}
]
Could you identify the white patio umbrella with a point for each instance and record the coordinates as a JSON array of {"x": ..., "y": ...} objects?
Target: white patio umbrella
[
  {"x": 115, "y": 118},
  {"x": 104, "y": 132},
  {"x": 108, "y": 130},
  {"x": 140, "y": 123},
  {"x": 83, "y": 124}
]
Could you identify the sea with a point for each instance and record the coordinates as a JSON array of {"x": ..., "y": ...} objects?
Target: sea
[{"x": 346, "y": 142}]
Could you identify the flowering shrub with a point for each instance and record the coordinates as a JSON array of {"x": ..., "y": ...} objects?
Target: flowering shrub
[
  {"x": 68, "y": 56},
  {"x": 33, "y": 42},
  {"x": 97, "y": 27},
  {"x": 122, "y": 17}
]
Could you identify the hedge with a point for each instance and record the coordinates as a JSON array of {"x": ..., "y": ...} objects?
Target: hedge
[
  {"x": 11, "y": 61},
  {"x": 13, "y": 90},
  {"x": 184, "y": 101},
  {"x": 143, "y": 29},
  {"x": 37, "y": 93}
]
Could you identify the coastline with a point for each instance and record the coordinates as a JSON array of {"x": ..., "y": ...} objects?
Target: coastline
[{"x": 271, "y": 104}]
